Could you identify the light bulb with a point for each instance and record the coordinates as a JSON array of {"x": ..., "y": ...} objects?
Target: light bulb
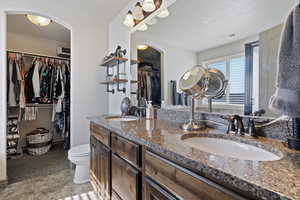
[
  {"x": 129, "y": 20},
  {"x": 152, "y": 21},
  {"x": 138, "y": 12},
  {"x": 164, "y": 13},
  {"x": 142, "y": 47},
  {"x": 143, "y": 27},
  {"x": 149, "y": 6},
  {"x": 38, "y": 20}
]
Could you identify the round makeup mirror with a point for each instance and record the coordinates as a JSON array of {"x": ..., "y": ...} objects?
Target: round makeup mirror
[
  {"x": 200, "y": 82},
  {"x": 215, "y": 87}
]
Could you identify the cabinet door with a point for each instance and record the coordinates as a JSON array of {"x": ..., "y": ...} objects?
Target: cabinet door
[
  {"x": 103, "y": 172},
  {"x": 93, "y": 160},
  {"x": 125, "y": 180},
  {"x": 155, "y": 192}
]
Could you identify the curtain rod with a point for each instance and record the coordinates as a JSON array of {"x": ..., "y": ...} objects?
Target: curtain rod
[{"x": 38, "y": 55}]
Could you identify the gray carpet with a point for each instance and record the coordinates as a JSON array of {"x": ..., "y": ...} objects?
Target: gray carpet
[{"x": 32, "y": 166}]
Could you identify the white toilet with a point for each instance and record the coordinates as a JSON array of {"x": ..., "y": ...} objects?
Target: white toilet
[{"x": 80, "y": 156}]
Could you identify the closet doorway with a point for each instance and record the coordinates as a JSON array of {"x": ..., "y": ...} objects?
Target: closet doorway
[
  {"x": 150, "y": 75},
  {"x": 38, "y": 96}
]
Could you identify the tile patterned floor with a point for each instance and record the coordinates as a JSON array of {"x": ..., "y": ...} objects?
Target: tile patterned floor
[{"x": 44, "y": 178}]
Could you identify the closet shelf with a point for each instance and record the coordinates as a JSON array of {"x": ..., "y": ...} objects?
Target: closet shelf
[
  {"x": 133, "y": 81},
  {"x": 39, "y": 105},
  {"x": 11, "y": 116},
  {"x": 114, "y": 81},
  {"x": 113, "y": 62}
]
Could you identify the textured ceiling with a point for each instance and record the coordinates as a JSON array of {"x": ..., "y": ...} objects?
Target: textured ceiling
[
  {"x": 202, "y": 24},
  {"x": 102, "y": 10},
  {"x": 20, "y": 24}
]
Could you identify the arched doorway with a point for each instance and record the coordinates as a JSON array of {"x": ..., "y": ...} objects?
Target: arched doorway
[
  {"x": 150, "y": 75},
  {"x": 38, "y": 97}
]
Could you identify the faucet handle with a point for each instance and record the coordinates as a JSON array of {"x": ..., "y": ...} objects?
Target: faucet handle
[
  {"x": 231, "y": 126},
  {"x": 238, "y": 121},
  {"x": 251, "y": 128}
]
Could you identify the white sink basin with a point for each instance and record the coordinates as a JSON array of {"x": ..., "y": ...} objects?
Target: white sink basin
[
  {"x": 122, "y": 118},
  {"x": 228, "y": 148}
]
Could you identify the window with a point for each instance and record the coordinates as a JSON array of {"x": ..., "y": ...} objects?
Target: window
[{"x": 234, "y": 70}]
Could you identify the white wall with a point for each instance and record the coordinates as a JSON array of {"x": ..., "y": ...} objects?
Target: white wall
[
  {"x": 119, "y": 35},
  {"x": 175, "y": 61},
  {"x": 32, "y": 44},
  {"x": 229, "y": 49},
  {"x": 89, "y": 42}
]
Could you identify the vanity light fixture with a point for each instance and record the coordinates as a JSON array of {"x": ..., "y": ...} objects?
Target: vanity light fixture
[
  {"x": 137, "y": 12},
  {"x": 164, "y": 13},
  {"x": 152, "y": 21},
  {"x": 38, "y": 20},
  {"x": 142, "y": 47},
  {"x": 143, "y": 27},
  {"x": 129, "y": 21},
  {"x": 149, "y": 6}
]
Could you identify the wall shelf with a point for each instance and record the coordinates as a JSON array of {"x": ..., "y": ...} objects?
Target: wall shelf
[
  {"x": 114, "y": 81},
  {"x": 134, "y": 62},
  {"x": 113, "y": 62},
  {"x": 109, "y": 63},
  {"x": 133, "y": 81}
]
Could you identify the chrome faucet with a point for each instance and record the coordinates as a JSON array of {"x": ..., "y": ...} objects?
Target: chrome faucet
[
  {"x": 238, "y": 122},
  {"x": 235, "y": 125}
]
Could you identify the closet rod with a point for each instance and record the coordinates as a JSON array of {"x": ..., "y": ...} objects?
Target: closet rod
[{"x": 37, "y": 55}]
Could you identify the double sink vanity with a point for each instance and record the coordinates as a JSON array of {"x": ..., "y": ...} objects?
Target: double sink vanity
[{"x": 133, "y": 159}]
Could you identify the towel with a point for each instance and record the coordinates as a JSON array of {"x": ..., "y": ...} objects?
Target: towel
[{"x": 286, "y": 100}]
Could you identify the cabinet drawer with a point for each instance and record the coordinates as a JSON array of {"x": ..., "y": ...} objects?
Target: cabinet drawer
[
  {"x": 155, "y": 192},
  {"x": 126, "y": 149},
  {"x": 125, "y": 180},
  {"x": 102, "y": 134},
  {"x": 182, "y": 183}
]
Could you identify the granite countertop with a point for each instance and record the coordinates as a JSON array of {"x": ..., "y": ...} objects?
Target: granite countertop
[{"x": 264, "y": 179}]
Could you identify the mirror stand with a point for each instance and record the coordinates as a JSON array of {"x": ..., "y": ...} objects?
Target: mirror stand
[
  {"x": 209, "y": 104},
  {"x": 192, "y": 125}
]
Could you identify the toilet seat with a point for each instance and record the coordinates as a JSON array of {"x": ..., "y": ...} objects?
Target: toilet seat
[{"x": 80, "y": 151}]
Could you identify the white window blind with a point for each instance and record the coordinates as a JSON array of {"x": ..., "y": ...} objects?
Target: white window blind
[
  {"x": 221, "y": 65},
  {"x": 234, "y": 70},
  {"x": 237, "y": 80}
]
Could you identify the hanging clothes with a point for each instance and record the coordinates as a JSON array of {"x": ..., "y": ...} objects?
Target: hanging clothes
[
  {"x": 46, "y": 81},
  {"x": 149, "y": 85},
  {"x": 36, "y": 79},
  {"x": 11, "y": 91}
]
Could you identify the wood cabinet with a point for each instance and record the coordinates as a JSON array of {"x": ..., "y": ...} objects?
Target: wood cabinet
[
  {"x": 122, "y": 170},
  {"x": 183, "y": 183},
  {"x": 126, "y": 180},
  {"x": 103, "y": 173},
  {"x": 93, "y": 158},
  {"x": 101, "y": 133},
  {"x": 126, "y": 150}
]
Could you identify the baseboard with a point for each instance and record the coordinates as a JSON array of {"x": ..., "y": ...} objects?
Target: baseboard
[{"x": 3, "y": 184}]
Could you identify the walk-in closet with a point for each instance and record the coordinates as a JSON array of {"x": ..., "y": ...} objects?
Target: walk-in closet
[
  {"x": 149, "y": 75},
  {"x": 38, "y": 95}
]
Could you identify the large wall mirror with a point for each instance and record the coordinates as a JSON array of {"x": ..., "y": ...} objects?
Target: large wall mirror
[{"x": 240, "y": 38}]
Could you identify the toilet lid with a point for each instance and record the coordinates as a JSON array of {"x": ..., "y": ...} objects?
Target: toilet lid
[{"x": 81, "y": 150}]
